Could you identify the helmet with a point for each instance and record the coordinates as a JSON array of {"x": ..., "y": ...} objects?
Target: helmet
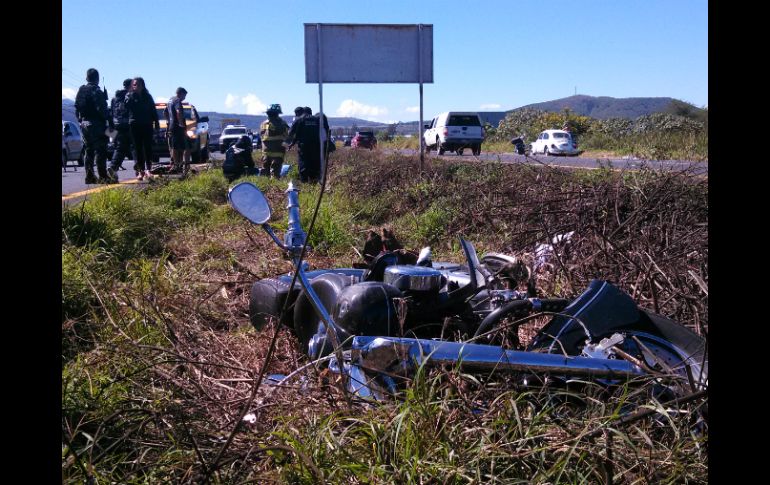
[{"x": 275, "y": 107}]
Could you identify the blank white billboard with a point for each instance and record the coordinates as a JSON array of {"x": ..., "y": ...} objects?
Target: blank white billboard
[{"x": 369, "y": 53}]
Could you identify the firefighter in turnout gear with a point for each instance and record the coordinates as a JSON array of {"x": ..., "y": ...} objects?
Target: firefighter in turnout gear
[
  {"x": 93, "y": 114},
  {"x": 273, "y": 132}
]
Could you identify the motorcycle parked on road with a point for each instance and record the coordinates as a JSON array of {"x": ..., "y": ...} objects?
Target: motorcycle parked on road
[{"x": 518, "y": 143}]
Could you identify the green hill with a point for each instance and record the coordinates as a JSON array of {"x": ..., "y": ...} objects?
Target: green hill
[{"x": 603, "y": 107}]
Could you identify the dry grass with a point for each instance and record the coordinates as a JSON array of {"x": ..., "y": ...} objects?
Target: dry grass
[{"x": 169, "y": 357}]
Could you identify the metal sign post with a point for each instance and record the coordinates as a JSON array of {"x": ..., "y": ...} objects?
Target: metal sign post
[
  {"x": 368, "y": 53},
  {"x": 419, "y": 127},
  {"x": 321, "y": 132}
]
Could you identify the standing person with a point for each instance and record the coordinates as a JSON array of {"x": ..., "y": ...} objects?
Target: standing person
[
  {"x": 299, "y": 113},
  {"x": 309, "y": 144},
  {"x": 92, "y": 113},
  {"x": 273, "y": 132},
  {"x": 120, "y": 124},
  {"x": 177, "y": 127},
  {"x": 141, "y": 118}
]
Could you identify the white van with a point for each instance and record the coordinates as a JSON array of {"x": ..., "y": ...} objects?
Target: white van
[{"x": 454, "y": 131}]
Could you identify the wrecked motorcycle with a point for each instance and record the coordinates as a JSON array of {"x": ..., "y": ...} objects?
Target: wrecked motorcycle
[{"x": 377, "y": 325}]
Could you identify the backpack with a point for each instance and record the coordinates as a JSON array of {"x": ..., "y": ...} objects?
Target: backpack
[
  {"x": 91, "y": 103},
  {"x": 119, "y": 109},
  {"x": 233, "y": 162},
  {"x": 230, "y": 164}
]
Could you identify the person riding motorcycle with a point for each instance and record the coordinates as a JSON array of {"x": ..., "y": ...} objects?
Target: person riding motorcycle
[{"x": 273, "y": 132}]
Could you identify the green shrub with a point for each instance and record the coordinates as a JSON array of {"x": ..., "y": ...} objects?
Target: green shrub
[
  {"x": 117, "y": 221},
  {"x": 191, "y": 200}
]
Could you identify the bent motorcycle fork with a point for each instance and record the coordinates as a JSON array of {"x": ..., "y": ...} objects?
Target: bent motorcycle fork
[{"x": 373, "y": 360}]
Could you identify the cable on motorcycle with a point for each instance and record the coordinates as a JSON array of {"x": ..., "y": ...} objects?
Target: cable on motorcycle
[{"x": 274, "y": 339}]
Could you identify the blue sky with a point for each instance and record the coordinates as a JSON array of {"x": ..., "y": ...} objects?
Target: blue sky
[{"x": 239, "y": 56}]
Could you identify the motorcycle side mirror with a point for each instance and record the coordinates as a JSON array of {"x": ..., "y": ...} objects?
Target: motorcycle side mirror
[{"x": 250, "y": 202}]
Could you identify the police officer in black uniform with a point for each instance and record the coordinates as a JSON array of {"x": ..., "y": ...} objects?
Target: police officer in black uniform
[
  {"x": 307, "y": 139},
  {"x": 92, "y": 113},
  {"x": 120, "y": 124},
  {"x": 299, "y": 113}
]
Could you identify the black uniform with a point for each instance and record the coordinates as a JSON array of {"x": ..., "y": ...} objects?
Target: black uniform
[
  {"x": 120, "y": 123},
  {"x": 92, "y": 112},
  {"x": 309, "y": 147},
  {"x": 238, "y": 161},
  {"x": 142, "y": 117}
]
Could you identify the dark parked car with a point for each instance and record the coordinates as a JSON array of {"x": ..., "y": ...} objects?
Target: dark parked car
[
  {"x": 364, "y": 139},
  {"x": 214, "y": 142}
]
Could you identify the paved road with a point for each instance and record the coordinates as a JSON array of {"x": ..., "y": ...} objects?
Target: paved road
[
  {"x": 697, "y": 168},
  {"x": 74, "y": 189},
  {"x": 73, "y": 182}
]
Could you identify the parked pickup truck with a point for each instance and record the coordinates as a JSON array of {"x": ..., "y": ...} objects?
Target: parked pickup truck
[
  {"x": 230, "y": 135},
  {"x": 454, "y": 131}
]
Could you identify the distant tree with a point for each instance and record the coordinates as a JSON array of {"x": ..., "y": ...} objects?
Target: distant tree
[
  {"x": 388, "y": 133},
  {"x": 490, "y": 131},
  {"x": 687, "y": 110}
]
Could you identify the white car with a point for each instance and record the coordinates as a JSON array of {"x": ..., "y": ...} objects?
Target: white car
[{"x": 554, "y": 142}]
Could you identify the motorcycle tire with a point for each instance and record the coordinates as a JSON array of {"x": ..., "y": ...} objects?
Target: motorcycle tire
[{"x": 671, "y": 342}]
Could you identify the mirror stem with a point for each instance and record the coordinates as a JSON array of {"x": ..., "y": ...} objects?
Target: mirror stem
[{"x": 269, "y": 231}]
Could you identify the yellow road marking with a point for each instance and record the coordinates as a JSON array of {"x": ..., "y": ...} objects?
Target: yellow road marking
[{"x": 97, "y": 189}]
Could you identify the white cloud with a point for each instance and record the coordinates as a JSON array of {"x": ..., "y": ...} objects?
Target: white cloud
[
  {"x": 489, "y": 106},
  {"x": 68, "y": 93},
  {"x": 161, "y": 99},
  {"x": 230, "y": 100},
  {"x": 412, "y": 109},
  {"x": 254, "y": 105},
  {"x": 354, "y": 109}
]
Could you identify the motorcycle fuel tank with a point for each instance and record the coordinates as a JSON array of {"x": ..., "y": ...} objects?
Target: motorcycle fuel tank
[{"x": 414, "y": 278}]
